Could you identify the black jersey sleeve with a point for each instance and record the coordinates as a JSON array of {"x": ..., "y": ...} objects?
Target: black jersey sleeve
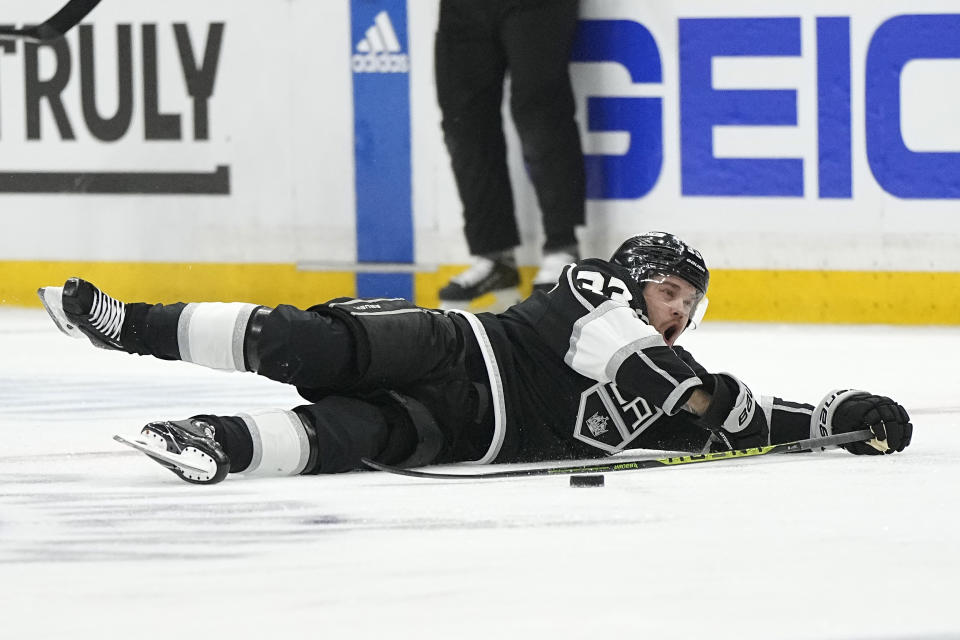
[
  {"x": 789, "y": 421},
  {"x": 687, "y": 357},
  {"x": 591, "y": 320}
]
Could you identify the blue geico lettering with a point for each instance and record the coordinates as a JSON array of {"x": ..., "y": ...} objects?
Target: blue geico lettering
[
  {"x": 898, "y": 170},
  {"x": 633, "y": 174},
  {"x": 702, "y": 107}
]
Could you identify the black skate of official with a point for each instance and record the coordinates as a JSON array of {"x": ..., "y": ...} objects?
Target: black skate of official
[
  {"x": 186, "y": 447},
  {"x": 488, "y": 285},
  {"x": 79, "y": 309}
]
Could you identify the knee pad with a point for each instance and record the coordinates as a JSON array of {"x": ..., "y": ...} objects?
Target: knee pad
[
  {"x": 430, "y": 438},
  {"x": 390, "y": 428}
]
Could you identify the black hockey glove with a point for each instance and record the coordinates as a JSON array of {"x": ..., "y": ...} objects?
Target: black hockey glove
[
  {"x": 843, "y": 411},
  {"x": 734, "y": 416}
]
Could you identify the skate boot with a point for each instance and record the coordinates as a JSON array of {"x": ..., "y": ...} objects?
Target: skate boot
[
  {"x": 488, "y": 285},
  {"x": 186, "y": 447},
  {"x": 550, "y": 269},
  {"x": 79, "y": 309}
]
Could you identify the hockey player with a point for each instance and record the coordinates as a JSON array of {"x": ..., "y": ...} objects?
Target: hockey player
[{"x": 588, "y": 368}]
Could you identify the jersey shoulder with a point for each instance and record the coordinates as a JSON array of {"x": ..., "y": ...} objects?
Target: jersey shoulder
[
  {"x": 585, "y": 290},
  {"x": 593, "y": 282}
]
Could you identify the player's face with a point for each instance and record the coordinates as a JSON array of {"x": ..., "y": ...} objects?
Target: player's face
[{"x": 670, "y": 301}]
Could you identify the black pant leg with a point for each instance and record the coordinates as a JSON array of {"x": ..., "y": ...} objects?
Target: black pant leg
[
  {"x": 363, "y": 349},
  {"x": 538, "y": 38},
  {"x": 357, "y": 346},
  {"x": 470, "y": 69},
  {"x": 308, "y": 348}
]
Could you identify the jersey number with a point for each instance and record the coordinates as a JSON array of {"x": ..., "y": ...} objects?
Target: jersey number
[{"x": 607, "y": 286}]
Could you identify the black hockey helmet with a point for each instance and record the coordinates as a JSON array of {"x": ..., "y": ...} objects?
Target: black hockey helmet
[{"x": 656, "y": 252}]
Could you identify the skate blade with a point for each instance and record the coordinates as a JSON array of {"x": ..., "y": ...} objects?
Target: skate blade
[
  {"x": 50, "y": 298},
  {"x": 165, "y": 458},
  {"x": 496, "y": 301}
]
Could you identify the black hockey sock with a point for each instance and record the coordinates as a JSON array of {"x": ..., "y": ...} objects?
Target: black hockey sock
[
  {"x": 233, "y": 435},
  {"x": 151, "y": 329}
]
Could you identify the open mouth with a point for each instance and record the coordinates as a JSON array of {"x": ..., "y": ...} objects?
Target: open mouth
[{"x": 670, "y": 333}]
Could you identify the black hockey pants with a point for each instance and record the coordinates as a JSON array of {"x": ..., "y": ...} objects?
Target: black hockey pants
[{"x": 364, "y": 349}]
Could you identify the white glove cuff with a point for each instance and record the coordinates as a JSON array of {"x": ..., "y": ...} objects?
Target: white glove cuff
[{"x": 821, "y": 420}]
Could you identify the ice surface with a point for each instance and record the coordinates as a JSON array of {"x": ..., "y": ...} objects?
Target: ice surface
[{"x": 97, "y": 541}]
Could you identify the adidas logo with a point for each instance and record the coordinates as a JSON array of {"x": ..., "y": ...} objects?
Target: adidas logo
[{"x": 380, "y": 51}]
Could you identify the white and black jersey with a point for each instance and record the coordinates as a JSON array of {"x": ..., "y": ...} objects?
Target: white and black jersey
[{"x": 584, "y": 374}]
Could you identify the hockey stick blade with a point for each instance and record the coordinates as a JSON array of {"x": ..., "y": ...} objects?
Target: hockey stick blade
[
  {"x": 165, "y": 458},
  {"x": 634, "y": 465},
  {"x": 55, "y": 27}
]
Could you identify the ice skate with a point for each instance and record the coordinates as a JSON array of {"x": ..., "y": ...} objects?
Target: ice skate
[
  {"x": 488, "y": 285},
  {"x": 79, "y": 309},
  {"x": 186, "y": 447}
]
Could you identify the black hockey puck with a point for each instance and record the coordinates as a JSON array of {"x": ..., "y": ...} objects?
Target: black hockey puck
[{"x": 586, "y": 481}]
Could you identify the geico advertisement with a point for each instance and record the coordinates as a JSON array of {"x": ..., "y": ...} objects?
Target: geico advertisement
[
  {"x": 879, "y": 87},
  {"x": 775, "y": 106},
  {"x": 299, "y": 117}
]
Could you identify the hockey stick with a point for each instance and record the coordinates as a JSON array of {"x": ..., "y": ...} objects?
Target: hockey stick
[
  {"x": 55, "y": 27},
  {"x": 633, "y": 465}
]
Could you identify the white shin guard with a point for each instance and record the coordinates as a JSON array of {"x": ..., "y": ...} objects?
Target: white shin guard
[
  {"x": 280, "y": 443},
  {"x": 212, "y": 333}
]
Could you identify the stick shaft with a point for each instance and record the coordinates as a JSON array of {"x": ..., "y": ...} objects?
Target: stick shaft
[{"x": 634, "y": 465}]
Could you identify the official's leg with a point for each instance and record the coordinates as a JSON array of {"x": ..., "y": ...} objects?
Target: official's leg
[
  {"x": 538, "y": 38},
  {"x": 470, "y": 69}
]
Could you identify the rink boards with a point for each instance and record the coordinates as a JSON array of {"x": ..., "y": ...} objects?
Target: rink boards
[{"x": 293, "y": 153}]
